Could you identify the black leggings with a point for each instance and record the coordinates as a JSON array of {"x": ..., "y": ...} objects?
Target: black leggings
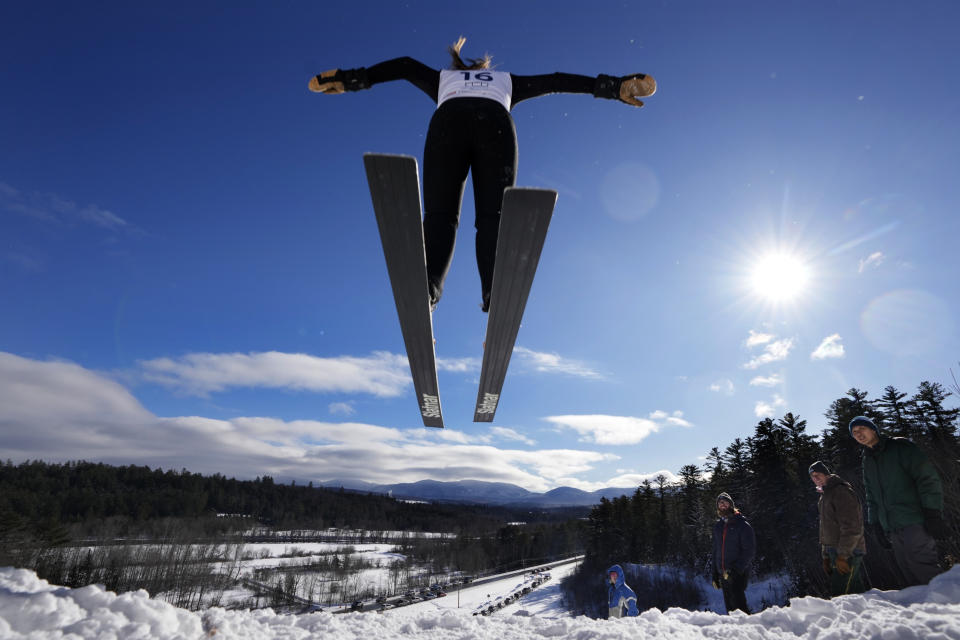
[{"x": 466, "y": 134}]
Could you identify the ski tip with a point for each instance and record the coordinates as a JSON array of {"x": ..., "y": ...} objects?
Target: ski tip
[{"x": 374, "y": 155}]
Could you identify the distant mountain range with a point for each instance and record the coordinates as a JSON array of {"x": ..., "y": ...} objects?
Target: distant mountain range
[{"x": 476, "y": 491}]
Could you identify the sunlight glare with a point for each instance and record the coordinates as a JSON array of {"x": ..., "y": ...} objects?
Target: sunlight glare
[{"x": 779, "y": 277}]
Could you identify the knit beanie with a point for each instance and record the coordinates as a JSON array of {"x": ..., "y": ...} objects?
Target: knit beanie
[
  {"x": 726, "y": 496},
  {"x": 819, "y": 467},
  {"x": 863, "y": 421}
]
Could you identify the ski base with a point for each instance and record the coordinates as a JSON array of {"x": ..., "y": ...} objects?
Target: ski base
[
  {"x": 524, "y": 220},
  {"x": 395, "y": 190}
]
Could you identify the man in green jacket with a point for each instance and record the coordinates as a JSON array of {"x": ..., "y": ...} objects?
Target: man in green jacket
[
  {"x": 841, "y": 531},
  {"x": 904, "y": 499}
]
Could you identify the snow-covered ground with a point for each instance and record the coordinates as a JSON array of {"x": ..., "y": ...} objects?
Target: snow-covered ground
[
  {"x": 32, "y": 608},
  {"x": 542, "y": 600}
]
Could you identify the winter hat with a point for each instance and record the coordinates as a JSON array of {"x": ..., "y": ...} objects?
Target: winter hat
[
  {"x": 819, "y": 467},
  {"x": 726, "y": 496},
  {"x": 863, "y": 421}
]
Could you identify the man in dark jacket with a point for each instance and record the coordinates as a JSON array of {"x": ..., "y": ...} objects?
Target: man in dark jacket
[
  {"x": 904, "y": 500},
  {"x": 841, "y": 531},
  {"x": 733, "y": 548}
]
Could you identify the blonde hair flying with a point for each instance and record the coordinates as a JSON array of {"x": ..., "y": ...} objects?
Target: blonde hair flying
[{"x": 471, "y": 63}]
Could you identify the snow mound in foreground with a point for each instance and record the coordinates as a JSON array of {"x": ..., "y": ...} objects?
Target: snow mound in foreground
[{"x": 32, "y": 608}]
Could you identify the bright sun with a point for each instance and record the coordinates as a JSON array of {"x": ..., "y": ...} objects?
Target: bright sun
[{"x": 779, "y": 277}]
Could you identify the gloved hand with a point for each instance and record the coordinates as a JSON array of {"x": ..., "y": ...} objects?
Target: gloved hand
[
  {"x": 636, "y": 86},
  {"x": 881, "y": 536},
  {"x": 626, "y": 89},
  {"x": 827, "y": 567},
  {"x": 934, "y": 524},
  {"x": 716, "y": 580},
  {"x": 843, "y": 567},
  {"x": 327, "y": 82},
  {"x": 339, "y": 80}
]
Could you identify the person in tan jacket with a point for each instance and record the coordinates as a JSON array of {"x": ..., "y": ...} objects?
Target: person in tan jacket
[{"x": 842, "y": 543}]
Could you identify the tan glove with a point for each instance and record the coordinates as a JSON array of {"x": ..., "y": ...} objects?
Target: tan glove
[
  {"x": 327, "y": 82},
  {"x": 637, "y": 86},
  {"x": 843, "y": 566}
]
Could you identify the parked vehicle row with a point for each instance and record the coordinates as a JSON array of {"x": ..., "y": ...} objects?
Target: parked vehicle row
[{"x": 534, "y": 579}]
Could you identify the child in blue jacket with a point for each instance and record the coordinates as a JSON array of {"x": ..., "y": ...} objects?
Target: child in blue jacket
[{"x": 620, "y": 596}]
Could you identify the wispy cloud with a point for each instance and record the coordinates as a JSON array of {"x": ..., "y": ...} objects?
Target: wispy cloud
[
  {"x": 341, "y": 408},
  {"x": 675, "y": 418},
  {"x": 554, "y": 363},
  {"x": 617, "y": 430},
  {"x": 23, "y": 261},
  {"x": 768, "y": 409},
  {"x": 724, "y": 386},
  {"x": 58, "y": 411},
  {"x": 831, "y": 347},
  {"x": 874, "y": 260},
  {"x": 380, "y": 374},
  {"x": 53, "y": 208},
  {"x": 504, "y": 433},
  {"x": 772, "y": 352},
  {"x": 756, "y": 338},
  {"x": 458, "y": 365},
  {"x": 767, "y": 381}
]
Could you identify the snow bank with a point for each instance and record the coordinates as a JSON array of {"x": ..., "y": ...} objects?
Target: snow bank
[{"x": 32, "y": 608}]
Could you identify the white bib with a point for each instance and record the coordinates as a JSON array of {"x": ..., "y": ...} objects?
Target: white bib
[{"x": 481, "y": 83}]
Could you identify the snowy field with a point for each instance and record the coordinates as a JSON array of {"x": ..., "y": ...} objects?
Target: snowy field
[{"x": 32, "y": 608}]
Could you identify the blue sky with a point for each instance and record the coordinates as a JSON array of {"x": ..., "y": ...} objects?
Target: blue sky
[{"x": 191, "y": 274}]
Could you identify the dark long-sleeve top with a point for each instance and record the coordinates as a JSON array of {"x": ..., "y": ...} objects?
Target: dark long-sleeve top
[{"x": 427, "y": 80}]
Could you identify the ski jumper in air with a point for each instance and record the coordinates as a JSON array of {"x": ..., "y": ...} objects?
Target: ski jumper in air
[{"x": 472, "y": 130}]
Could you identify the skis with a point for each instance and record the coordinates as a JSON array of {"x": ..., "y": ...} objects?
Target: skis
[
  {"x": 524, "y": 219},
  {"x": 395, "y": 191}
]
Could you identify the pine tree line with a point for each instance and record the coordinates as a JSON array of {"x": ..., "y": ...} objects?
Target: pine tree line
[
  {"x": 766, "y": 474},
  {"x": 133, "y": 527},
  {"x": 82, "y": 496}
]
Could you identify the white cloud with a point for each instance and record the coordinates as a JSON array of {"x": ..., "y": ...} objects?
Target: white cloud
[
  {"x": 873, "y": 261},
  {"x": 623, "y": 480},
  {"x": 458, "y": 365},
  {"x": 772, "y": 352},
  {"x": 341, "y": 408},
  {"x": 768, "y": 409},
  {"x": 58, "y": 411},
  {"x": 831, "y": 347},
  {"x": 675, "y": 419},
  {"x": 724, "y": 386},
  {"x": 636, "y": 479},
  {"x": 509, "y": 434},
  {"x": 617, "y": 430},
  {"x": 553, "y": 363},
  {"x": 381, "y": 374},
  {"x": 756, "y": 338},
  {"x": 767, "y": 381}
]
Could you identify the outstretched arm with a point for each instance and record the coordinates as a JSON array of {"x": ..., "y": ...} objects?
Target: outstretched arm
[
  {"x": 627, "y": 89},
  {"x": 406, "y": 68}
]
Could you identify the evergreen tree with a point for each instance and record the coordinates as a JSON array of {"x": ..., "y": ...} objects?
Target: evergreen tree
[
  {"x": 896, "y": 412},
  {"x": 938, "y": 424},
  {"x": 694, "y": 521}
]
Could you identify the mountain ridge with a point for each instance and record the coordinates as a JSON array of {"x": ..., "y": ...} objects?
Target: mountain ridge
[{"x": 479, "y": 491}]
